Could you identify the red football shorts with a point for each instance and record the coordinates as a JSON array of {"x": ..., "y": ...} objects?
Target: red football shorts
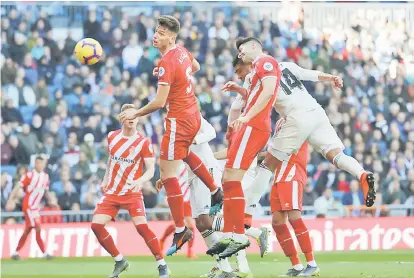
[
  {"x": 111, "y": 204},
  {"x": 31, "y": 217},
  {"x": 244, "y": 147},
  {"x": 286, "y": 196},
  {"x": 179, "y": 135},
  {"x": 187, "y": 209}
]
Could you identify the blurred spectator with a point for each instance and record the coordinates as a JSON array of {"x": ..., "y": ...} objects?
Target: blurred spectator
[
  {"x": 21, "y": 94},
  {"x": 88, "y": 147},
  {"x": 29, "y": 140},
  {"x": 10, "y": 114},
  {"x": 131, "y": 54},
  {"x": 52, "y": 206},
  {"x": 324, "y": 203},
  {"x": 91, "y": 26},
  {"x": 20, "y": 154},
  {"x": 69, "y": 197},
  {"x": 309, "y": 196},
  {"x": 327, "y": 179},
  {"x": 6, "y": 188},
  {"x": 354, "y": 197},
  {"x": 6, "y": 151}
]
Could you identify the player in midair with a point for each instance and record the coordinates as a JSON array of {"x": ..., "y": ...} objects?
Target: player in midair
[
  {"x": 128, "y": 153},
  {"x": 35, "y": 184},
  {"x": 286, "y": 205},
  {"x": 176, "y": 92},
  {"x": 253, "y": 130},
  {"x": 305, "y": 120}
]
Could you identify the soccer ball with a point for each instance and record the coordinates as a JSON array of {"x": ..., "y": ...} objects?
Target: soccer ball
[{"x": 88, "y": 51}]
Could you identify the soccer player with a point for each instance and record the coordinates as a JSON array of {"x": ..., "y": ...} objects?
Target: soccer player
[
  {"x": 286, "y": 204},
  {"x": 297, "y": 106},
  {"x": 189, "y": 222},
  {"x": 252, "y": 133},
  {"x": 128, "y": 153},
  {"x": 35, "y": 184},
  {"x": 176, "y": 92}
]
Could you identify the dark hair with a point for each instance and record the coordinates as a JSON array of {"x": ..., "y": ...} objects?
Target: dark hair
[
  {"x": 241, "y": 41},
  {"x": 169, "y": 22},
  {"x": 40, "y": 157},
  {"x": 237, "y": 61}
]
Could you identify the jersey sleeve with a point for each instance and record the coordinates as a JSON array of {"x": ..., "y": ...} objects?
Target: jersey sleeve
[
  {"x": 165, "y": 72},
  {"x": 267, "y": 67},
  {"x": 301, "y": 73},
  {"x": 147, "y": 150},
  {"x": 190, "y": 55}
]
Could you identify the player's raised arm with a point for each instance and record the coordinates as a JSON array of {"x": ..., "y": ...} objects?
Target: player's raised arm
[{"x": 313, "y": 75}]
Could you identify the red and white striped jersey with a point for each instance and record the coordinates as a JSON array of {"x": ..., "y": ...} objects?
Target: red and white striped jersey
[
  {"x": 126, "y": 161},
  {"x": 183, "y": 181},
  {"x": 295, "y": 168},
  {"x": 34, "y": 184}
]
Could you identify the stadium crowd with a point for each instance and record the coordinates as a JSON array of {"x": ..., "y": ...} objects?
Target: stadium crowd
[{"x": 52, "y": 104}]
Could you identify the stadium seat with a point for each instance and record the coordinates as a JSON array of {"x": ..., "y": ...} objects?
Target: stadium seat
[
  {"x": 10, "y": 169},
  {"x": 27, "y": 112}
]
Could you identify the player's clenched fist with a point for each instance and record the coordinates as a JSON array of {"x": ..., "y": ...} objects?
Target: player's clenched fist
[
  {"x": 158, "y": 185},
  {"x": 337, "y": 82},
  {"x": 155, "y": 72}
]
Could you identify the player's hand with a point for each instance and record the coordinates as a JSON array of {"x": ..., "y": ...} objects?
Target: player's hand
[
  {"x": 129, "y": 114},
  {"x": 337, "y": 82},
  {"x": 232, "y": 86},
  {"x": 10, "y": 206},
  {"x": 103, "y": 187},
  {"x": 237, "y": 124},
  {"x": 158, "y": 185},
  {"x": 155, "y": 72},
  {"x": 229, "y": 132},
  {"x": 137, "y": 185}
]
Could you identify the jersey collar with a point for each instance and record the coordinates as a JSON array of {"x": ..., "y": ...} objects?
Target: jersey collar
[
  {"x": 174, "y": 47},
  {"x": 258, "y": 57}
]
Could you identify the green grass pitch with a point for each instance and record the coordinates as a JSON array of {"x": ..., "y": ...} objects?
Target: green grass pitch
[{"x": 371, "y": 264}]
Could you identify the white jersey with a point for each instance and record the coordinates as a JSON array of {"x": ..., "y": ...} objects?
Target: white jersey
[{"x": 292, "y": 94}]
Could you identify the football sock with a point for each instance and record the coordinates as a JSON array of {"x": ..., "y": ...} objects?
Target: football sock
[
  {"x": 248, "y": 218},
  {"x": 168, "y": 231},
  {"x": 254, "y": 232},
  {"x": 302, "y": 235},
  {"x": 218, "y": 223},
  {"x": 201, "y": 171},
  {"x": 39, "y": 241},
  {"x": 233, "y": 211},
  {"x": 23, "y": 238},
  {"x": 105, "y": 240},
  {"x": 261, "y": 184},
  {"x": 210, "y": 238},
  {"x": 286, "y": 242},
  {"x": 175, "y": 202},
  {"x": 242, "y": 261},
  {"x": 151, "y": 240},
  {"x": 348, "y": 164}
]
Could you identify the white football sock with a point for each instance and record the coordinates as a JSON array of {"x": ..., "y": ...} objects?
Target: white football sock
[
  {"x": 254, "y": 232},
  {"x": 260, "y": 184},
  {"x": 179, "y": 229},
  {"x": 240, "y": 237},
  {"x": 242, "y": 261},
  {"x": 161, "y": 262},
  {"x": 348, "y": 164},
  {"x": 224, "y": 265},
  {"x": 210, "y": 238},
  {"x": 218, "y": 224},
  {"x": 298, "y": 266},
  {"x": 118, "y": 258},
  {"x": 312, "y": 263}
]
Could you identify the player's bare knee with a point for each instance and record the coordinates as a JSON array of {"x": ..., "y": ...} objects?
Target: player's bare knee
[
  {"x": 203, "y": 222},
  {"x": 330, "y": 155},
  {"x": 279, "y": 218},
  {"x": 294, "y": 214},
  {"x": 271, "y": 162},
  {"x": 138, "y": 220}
]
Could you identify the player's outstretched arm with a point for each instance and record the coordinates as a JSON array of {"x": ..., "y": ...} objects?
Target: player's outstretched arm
[
  {"x": 157, "y": 103},
  {"x": 10, "y": 205},
  {"x": 148, "y": 174},
  {"x": 269, "y": 86},
  {"x": 221, "y": 155}
]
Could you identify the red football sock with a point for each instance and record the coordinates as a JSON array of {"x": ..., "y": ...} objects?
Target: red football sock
[
  {"x": 151, "y": 240},
  {"x": 105, "y": 239},
  {"x": 23, "y": 238},
  {"x": 201, "y": 171},
  {"x": 175, "y": 201},
  {"x": 170, "y": 229},
  {"x": 190, "y": 245},
  {"x": 233, "y": 211},
  {"x": 302, "y": 234},
  {"x": 248, "y": 218},
  {"x": 39, "y": 241},
  {"x": 286, "y": 242}
]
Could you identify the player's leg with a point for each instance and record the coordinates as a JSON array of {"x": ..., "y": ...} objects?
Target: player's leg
[
  {"x": 38, "y": 231},
  {"x": 106, "y": 210},
  {"x": 189, "y": 222},
  {"x": 326, "y": 141},
  {"x": 279, "y": 224},
  {"x": 168, "y": 231},
  {"x": 29, "y": 225}
]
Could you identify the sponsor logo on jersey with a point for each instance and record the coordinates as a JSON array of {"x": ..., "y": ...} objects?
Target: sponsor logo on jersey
[
  {"x": 122, "y": 160},
  {"x": 267, "y": 66},
  {"x": 161, "y": 71}
]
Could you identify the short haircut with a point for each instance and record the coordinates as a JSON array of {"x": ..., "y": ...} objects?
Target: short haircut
[
  {"x": 241, "y": 41},
  {"x": 39, "y": 157},
  {"x": 237, "y": 61},
  {"x": 127, "y": 106},
  {"x": 169, "y": 22}
]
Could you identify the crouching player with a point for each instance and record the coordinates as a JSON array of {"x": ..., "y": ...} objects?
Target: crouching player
[
  {"x": 124, "y": 177},
  {"x": 286, "y": 204}
]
